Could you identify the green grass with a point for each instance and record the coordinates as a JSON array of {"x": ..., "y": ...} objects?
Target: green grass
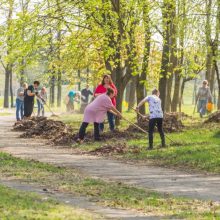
[
  {"x": 17, "y": 205},
  {"x": 106, "y": 193},
  {"x": 198, "y": 145}
]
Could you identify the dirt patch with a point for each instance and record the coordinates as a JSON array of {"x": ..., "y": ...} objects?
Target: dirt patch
[
  {"x": 172, "y": 123},
  {"x": 213, "y": 118},
  {"x": 117, "y": 148},
  {"x": 59, "y": 133},
  {"x": 55, "y": 131}
]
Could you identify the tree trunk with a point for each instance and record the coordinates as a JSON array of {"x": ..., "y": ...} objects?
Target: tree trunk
[
  {"x": 176, "y": 93},
  {"x": 11, "y": 89},
  {"x": 52, "y": 91},
  {"x": 140, "y": 88},
  {"x": 208, "y": 40},
  {"x": 7, "y": 87},
  {"x": 59, "y": 88},
  {"x": 132, "y": 93},
  {"x": 169, "y": 93}
]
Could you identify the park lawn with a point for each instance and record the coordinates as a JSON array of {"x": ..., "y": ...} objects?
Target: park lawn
[
  {"x": 106, "y": 193},
  {"x": 197, "y": 148},
  {"x": 18, "y": 205}
]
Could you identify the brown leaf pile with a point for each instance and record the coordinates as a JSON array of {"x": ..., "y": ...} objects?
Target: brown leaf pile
[
  {"x": 172, "y": 123},
  {"x": 213, "y": 118}
]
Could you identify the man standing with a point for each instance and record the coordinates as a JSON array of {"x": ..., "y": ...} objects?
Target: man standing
[
  {"x": 85, "y": 93},
  {"x": 29, "y": 95},
  {"x": 156, "y": 116},
  {"x": 20, "y": 102}
]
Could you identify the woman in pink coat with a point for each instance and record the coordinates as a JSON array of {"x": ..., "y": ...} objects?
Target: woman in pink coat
[{"x": 95, "y": 113}]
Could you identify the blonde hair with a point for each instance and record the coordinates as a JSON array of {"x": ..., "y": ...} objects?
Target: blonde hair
[
  {"x": 25, "y": 85},
  {"x": 205, "y": 82}
]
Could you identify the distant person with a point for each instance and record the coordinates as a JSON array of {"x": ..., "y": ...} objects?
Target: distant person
[
  {"x": 20, "y": 102},
  {"x": 41, "y": 100},
  {"x": 29, "y": 95},
  {"x": 156, "y": 116},
  {"x": 85, "y": 93},
  {"x": 203, "y": 97},
  {"x": 71, "y": 98},
  {"x": 95, "y": 113},
  {"x": 102, "y": 88}
]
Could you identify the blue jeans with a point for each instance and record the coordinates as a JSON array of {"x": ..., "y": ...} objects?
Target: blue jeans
[
  {"x": 202, "y": 107},
  {"x": 111, "y": 121},
  {"x": 19, "y": 109},
  {"x": 40, "y": 107}
]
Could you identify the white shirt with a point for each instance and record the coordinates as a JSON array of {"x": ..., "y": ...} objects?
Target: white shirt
[{"x": 155, "y": 108}]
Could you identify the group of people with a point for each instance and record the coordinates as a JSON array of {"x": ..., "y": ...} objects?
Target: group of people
[
  {"x": 105, "y": 103},
  {"x": 102, "y": 105},
  {"x": 25, "y": 100}
]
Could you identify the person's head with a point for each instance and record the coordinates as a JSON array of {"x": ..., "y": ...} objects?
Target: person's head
[
  {"x": 78, "y": 94},
  {"x": 106, "y": 80},
  {"x": 205, "y": 83},
  {"x": 25, "y": 85},
  {"x": 43, "y": 90},
  {"x": 36, "y": 84},
  {"x": 156, "y": 92},
  {"x": 110, "y": 92},
  {"x": 87, "y": 86}
]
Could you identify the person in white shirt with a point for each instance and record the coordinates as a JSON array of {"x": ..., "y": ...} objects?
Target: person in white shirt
[{"x": 156, "y": 116}]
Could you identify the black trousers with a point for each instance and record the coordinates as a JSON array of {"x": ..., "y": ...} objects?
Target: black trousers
[
  {"x": 82, "y": 130},
  {"x": 159, "y": 123},
  {"x": 28, "y": 108}
]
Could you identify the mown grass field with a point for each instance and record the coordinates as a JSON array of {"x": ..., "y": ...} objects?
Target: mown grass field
[
  {"x": 17, "y": 205},
  {"x": 197, "y": 148},
  {"x": 106, "y": 193}
]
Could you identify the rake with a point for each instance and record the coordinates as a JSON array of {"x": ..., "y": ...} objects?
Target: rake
[{"x": 174, "y": 142}]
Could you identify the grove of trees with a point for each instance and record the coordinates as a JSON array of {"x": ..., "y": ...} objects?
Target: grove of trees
[{"x": 141, "y": 43}]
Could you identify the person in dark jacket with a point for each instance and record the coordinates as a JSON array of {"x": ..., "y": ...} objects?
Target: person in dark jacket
[{"x": 29, "y": 95}]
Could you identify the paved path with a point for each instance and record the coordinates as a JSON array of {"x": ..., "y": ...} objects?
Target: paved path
[
  {"x": 83, "y": 203},
  {"x": 156, "y": 178}
]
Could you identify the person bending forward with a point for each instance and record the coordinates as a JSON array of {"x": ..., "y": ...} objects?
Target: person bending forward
[
  {"x": 95, "y": 113},
  {"x": 156, "y": 116}
]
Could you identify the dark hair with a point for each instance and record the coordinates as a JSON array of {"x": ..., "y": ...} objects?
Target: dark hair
[
  {"x": 155, "y": 91},
  {"x": 106, "y": 76},
  {"x": 37, "y": 82},
  {"x": 110, "y": 91}
]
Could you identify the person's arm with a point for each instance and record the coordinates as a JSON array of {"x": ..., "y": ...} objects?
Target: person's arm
[
  {"x": 141, "y": 103},
  {"x": 115, "y": 112},
  {"x": 90, "y": 92},
  {"x": 20, "y": 92},
  {"x": 30, "y": 92}
]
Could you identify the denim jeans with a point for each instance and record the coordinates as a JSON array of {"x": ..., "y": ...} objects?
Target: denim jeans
[
  {"x": 19, "y": 109},
  {"x": 111, "y": 121},
  {"x": 40, "y": 107},
  {"x": 202, "y": 107}
]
